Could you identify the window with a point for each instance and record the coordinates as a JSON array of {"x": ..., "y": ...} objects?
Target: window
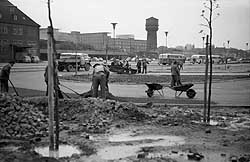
[
  {"x": 3, "y": 30},
  {"x": 15, "y": 17},
  {"x": 12, "y": 10},
  {"x": 17, "y": 30},
  {"x": 4, "y": 45}
]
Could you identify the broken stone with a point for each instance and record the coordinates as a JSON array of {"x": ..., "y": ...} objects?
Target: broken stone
[
  {"x": 208, "y": 130},
  {"x": 234, "y": 158},
  {"x": 174, "y": 152},
  {"x": 195, "y": 156},
  {"x": 142, "y": 155}
]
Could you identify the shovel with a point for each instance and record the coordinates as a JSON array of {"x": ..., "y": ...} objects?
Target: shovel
[
  {"x": 13, "y": 87},
  {"x": 70, "y": 89}
]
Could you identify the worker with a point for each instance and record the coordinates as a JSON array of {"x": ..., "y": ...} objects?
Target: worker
[
  {"x": 144, "y": 66},
  {"x": 138, "y": 65},
  {"x": 5, "y": 75},
  {"x": 56, "y": 81},
  {"x": 100, "y": 77},
  {"x": 175, "y": 73}
]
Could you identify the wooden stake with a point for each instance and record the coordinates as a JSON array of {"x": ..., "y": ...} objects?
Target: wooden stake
[
  {"x": 50, "y": 93},
  {"x": 205, "y": 83}
]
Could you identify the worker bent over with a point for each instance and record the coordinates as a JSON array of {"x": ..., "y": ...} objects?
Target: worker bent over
[
  {"x": 100, "y": 77},
  {"x": 4, "y": 76}
]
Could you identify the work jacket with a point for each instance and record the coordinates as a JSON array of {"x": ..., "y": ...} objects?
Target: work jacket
[{"x": 5, "y": 72}]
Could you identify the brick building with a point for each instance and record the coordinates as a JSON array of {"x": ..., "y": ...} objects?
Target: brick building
[{"x": 19, "y": 34}]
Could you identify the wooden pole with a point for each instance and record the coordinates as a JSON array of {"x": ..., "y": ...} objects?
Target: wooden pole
[
  {"x": 211, "y": 63},
  {"x": 205, "y": 83},
  {"x": 50, "y": 93}
]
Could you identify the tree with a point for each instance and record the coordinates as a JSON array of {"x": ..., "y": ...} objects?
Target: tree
[{"x": 208, "y": 15}]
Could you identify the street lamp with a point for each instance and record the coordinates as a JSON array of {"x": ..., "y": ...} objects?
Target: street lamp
[
  {"x": 114, "y": 24},
  {"x": 228, "y": 47},
  {"x": 203, "y": 41},
  {"x": 166, "y": 33}
]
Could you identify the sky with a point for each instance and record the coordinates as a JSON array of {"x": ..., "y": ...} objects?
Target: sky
[{"x": 180, "y": 18}]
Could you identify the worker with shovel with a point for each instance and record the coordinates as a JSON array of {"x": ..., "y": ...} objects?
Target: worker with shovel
[
  {"x": 100, "y": 77},
  {"x": 5, "y": 75},
  {"x": 56, "y": 81}
]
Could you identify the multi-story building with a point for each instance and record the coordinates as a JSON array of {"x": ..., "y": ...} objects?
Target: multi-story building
[
  {"x": 99, "y": 41},
  {"x": 19, "y": 34}
]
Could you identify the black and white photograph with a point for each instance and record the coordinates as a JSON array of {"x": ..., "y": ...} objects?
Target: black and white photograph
[{"x": 124, "y": 80}]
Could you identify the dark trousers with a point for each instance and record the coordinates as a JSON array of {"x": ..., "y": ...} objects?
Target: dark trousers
[
  {"x": 144, "y": 69},
  {"x": 138, "y": 69},
  {"x": 175, "y": 81},
  {"x": 4, "y": 85},
  {"x": 56, "y": 88},
  {"x": 99, "y": 79}
]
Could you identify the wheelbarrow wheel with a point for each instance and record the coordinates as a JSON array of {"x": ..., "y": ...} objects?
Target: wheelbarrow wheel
[
  {"x": 190, "y": 93},
  {"x": 150, "y": 93}
]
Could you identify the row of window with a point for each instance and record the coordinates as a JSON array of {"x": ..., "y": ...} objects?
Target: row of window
[
  {"x": 16, "y": 29},
  {"x": 4, "y": 44}
]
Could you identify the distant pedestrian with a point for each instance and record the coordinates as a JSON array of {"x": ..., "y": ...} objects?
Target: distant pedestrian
[
  {"x": 175, "y": 73},
  {"x": 100, "y": 78},
  {"x": 180, "y": 65},
  {"x": 56, "y": 81},
  {"x": 5, "y": 75},
  {"x": 144, "y": 66},
  {"x": 138, "y": 65}
]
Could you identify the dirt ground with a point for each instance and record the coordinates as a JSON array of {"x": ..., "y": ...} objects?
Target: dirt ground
[{"x": 94, "y": 130}]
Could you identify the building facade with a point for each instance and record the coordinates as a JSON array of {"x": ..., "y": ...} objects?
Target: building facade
[
  {"x": 100, "y": 40},
  {"x": 19, "y": 34}
]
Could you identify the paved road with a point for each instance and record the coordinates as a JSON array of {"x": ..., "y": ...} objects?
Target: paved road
[{"x": 224, "y": 93}]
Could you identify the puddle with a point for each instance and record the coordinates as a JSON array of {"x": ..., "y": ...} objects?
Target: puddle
[
  {"x": 182, "y": 156},
  {"x": 130, "y": 144},
  {"x": 229, "y": 123},
  {"x": 64, "y": 151}
]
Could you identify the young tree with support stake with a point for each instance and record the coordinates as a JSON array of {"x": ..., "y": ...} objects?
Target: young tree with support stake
[
  {"x": 207, "y": 14},
  {"x": 52, "y": 101}
]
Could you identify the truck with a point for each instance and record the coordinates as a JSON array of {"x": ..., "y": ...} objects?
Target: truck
[{"x": 73, "y": 61}]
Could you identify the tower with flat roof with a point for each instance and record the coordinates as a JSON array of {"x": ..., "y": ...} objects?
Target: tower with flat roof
[{"x": 151, "y": 28}]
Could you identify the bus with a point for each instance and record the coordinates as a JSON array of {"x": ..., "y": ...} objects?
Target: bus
[
  {"x": 216, "y": 59},
  {"x": 167, "y": 58}
]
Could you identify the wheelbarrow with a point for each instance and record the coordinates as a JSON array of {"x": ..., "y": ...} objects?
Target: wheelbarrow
[{"x": 181, "y": 88}]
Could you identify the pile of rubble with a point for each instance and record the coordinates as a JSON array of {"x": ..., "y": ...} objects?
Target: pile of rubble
[
  {"x": 96, "y": 115},
  {"x": 91, "y": 114},
  {"x": 20, "y": 119}
]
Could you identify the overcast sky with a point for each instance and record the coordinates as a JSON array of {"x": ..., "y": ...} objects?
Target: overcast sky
[{"x": 181, "y": 18}]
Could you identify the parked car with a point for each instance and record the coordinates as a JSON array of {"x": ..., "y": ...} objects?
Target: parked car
[
  {"x": 244, "y": 60},
  {"x": 35, "y": 59},
  {"x": 25, "y": 59}
]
